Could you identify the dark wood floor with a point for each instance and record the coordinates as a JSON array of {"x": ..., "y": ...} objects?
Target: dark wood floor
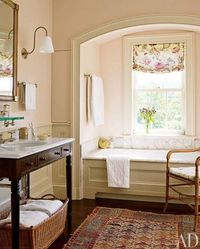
[{"x": 81, "y": 209}]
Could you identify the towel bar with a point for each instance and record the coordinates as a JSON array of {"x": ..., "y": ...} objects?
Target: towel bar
[
  {"x": 87, "y": 75},
  {"x": 24, "y": 83}
]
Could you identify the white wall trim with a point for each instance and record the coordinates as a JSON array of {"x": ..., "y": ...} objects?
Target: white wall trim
[{"x": 189, "y": 22}]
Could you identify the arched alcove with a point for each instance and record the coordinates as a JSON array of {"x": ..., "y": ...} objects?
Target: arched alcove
[{"x": 118, "y": 27}]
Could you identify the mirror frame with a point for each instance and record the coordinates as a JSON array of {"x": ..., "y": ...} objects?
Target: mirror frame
[{"x": 15, "y": 8}]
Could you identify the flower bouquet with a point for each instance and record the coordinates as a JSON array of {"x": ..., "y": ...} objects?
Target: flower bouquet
[{"x": 148, "y": 115}]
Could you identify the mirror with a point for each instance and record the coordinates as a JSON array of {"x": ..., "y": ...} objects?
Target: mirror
[{"x": 8, "y": 49}]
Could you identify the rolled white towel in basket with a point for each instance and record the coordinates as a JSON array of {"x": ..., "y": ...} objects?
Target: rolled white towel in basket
[
  {"x": 47, "y": 206},
  {"x": 27, "y": 218}
]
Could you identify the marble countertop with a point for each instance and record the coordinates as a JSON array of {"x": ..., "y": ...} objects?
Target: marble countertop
[
  {"x": 18, "y": 149},
  {"x": 144, "y": 155}
]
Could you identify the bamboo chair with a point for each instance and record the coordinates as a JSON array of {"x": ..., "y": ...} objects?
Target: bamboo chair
[{"x": 189, "y": 176}]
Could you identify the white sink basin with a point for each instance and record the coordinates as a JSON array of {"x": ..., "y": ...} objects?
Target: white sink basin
[{"x": 22, "y": 144}]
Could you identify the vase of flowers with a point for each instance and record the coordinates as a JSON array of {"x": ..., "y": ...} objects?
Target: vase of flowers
[{"x": 148, "y": 116}]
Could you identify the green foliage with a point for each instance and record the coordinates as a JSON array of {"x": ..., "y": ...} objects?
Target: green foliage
[{"x": 148, "y": 114}]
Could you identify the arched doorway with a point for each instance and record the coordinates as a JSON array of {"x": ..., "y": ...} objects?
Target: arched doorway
[{"x": 127, "y": 25}]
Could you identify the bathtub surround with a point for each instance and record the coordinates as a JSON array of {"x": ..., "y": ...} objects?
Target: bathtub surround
[
  {"x": 147, "y": 165},
  {"x": 151, "y": 142},
  {"x": 147, "y": 174}
]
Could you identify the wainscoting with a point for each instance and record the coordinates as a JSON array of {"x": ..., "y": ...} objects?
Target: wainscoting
[
  {"x": 147, "y": 180},
  {"x": 58, "y": 169},
  {"x": 41, "y": 180}
]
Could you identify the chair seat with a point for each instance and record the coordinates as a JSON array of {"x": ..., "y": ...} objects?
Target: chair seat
[{"x": 185, "y": 172}]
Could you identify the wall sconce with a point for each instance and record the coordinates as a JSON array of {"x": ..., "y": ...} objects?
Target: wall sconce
[{"x": 45, "y": 47}]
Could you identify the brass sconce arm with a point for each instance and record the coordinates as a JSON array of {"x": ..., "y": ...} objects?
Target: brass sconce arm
[{"x": 25, "y": 53}]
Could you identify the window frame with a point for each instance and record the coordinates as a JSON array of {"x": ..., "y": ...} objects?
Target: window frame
[
  {"x": 159, "y": 90},
  {"x": 188, "y": 88}
]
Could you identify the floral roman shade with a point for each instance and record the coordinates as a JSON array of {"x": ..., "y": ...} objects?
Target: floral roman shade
[{"x": 158, "y": 58}]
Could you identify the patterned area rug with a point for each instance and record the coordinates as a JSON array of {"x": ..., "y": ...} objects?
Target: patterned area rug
[{"x": 110, "y": 228}]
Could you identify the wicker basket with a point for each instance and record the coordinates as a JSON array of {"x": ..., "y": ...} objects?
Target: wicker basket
[{"x": 37, "y": 237}]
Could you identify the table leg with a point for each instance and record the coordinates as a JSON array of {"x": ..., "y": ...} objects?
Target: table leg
[
  {"x": 69, "y": 192},
  {"x": 28, "y": 185},
  {"x": 15, "y": 196}
]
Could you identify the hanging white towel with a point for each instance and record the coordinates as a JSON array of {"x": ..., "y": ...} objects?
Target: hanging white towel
[
  {"x": 30, "y": 96},
  {"x": 97, "y": 100},
  {"x": 118, "y": 171}
]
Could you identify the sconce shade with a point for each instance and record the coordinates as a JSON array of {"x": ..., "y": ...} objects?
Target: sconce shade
[{"x": 46, "y": 45}]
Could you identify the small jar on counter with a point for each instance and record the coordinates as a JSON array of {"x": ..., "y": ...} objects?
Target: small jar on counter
[{"x": 23, "y": 133}]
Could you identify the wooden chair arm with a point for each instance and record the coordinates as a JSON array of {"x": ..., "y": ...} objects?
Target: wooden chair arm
[
  {"x": 181, "y": 151},
  {"x": 197, "y": 161}
]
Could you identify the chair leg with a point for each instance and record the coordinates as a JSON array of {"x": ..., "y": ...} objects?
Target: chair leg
[
  {"x": 196, "y": 209},
  {"x": 166, "y": 192}
]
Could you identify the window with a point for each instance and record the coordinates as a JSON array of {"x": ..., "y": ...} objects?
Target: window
[{"x": 170, "y": 89}]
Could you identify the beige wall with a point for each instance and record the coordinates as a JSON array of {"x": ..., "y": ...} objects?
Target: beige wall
[
  {"x": 72, "y": 18},
  {"x": 37, "y": 68},
  {"x": 89, "y": 64},
  {"x": 111, "y": 71}
]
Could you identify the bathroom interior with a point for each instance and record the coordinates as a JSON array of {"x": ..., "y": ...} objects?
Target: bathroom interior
[{"x": 92, "y": 39}]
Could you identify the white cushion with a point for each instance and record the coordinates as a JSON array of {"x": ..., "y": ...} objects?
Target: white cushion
[{"x": 187, "y": 172}]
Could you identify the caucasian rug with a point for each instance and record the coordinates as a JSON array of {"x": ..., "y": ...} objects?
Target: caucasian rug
[{"x": 110, "y": 228}]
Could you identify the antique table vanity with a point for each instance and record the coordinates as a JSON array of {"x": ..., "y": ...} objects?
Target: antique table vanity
[{"x": 20, "y": 158}]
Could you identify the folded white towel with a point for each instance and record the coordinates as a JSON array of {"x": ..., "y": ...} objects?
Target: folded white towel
[
  {"x": 47, "y": 206},
  {"x": 118, "y": 170},
  {"x": 27, "y": 218}
]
